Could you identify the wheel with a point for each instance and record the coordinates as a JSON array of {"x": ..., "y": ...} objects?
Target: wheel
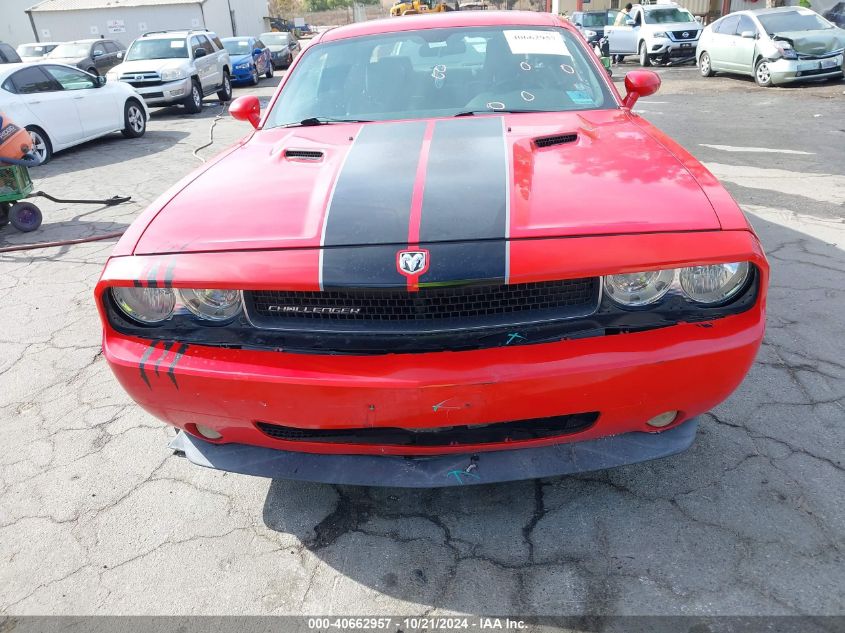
[
  {"x": 25, "y": 216},
  {"x": 41, "y": 145},
  {"x": 253, "y": 80},
  {"x": 269, "y": 73},
  {"x": 704, "y": 65},
  {"x": 4, "y": 214},
  {"x": 762, "y": 74},
  {"x": 193, "y": 103},
  {"x": 645, "y": 59},
  {"x": 134, "y": 120},
  {"x": 225, "y": 93}
]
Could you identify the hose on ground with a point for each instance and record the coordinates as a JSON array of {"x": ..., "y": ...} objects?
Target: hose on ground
[{"x": 81, "y": 240}]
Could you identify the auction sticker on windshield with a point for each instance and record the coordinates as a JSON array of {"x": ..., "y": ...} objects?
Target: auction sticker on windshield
[{"x": 536, "y": 43}]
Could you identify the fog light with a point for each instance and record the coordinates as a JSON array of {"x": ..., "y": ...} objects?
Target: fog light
[
  {"x": 210, "y": 433},
  {"x": 177, "y": 93},
  {"x": 664, "y": 419}
]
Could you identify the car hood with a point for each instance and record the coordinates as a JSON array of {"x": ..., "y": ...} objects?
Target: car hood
[
  {"x": 275, "y": 48},
  {"x": 148, "y": 65},
  {"x": 468, "y": 178},
  {"x": 814, "y": 42},
  {"x": 240, "y": 59}
]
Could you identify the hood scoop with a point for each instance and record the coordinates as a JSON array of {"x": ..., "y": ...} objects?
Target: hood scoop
[
  {"x": 307, "y": 155},
  {"x": 558, "y": 139}
]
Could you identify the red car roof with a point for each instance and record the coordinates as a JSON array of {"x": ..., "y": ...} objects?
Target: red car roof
[{"x": 448, "y": 19}]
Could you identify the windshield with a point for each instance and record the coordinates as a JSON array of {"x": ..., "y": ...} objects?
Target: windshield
[
  {"x": 275, "y": 39},
  {"x": 237, "y": 47},
  {"x": 665, "y": 16},
  {"x": 35, "y": 50},
  {"x": 71, "y": 50},
  {"x": 594, "y": 19},
  {"x": 793, "y": 21},
  {"x": 157, "y": 49},
  {"x": 442, "y": 72}
]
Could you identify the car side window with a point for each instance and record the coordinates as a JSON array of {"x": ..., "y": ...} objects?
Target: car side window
[
  {"x": 259, "y": 44},
  {"x": 195, "y": 44},
  {"x": 8, "y": 54},
  {"x": 204, "y": 43},
  {"x": 98, "y": 49},
  {"x": 728, "y": 26},
  {"x": 745, "y": 24},
  {"x": 33, "y": 80},
  {"x": 217, "y": 42},
  {"x": 638, "y": 17},
  {"x": 70, "y": 78},
  {"x": 111, "y": 47}
]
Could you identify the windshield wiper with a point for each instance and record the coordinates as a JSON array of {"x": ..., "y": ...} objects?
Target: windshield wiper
[
  {"x": 474, "y": 112},
  {"x": 322, "y": 120}
]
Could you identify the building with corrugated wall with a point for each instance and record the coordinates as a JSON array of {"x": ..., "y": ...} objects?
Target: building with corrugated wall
[{"x": 124, "y": 20}]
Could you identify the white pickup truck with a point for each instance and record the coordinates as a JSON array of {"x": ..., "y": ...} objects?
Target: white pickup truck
[{"x": 656, "y": 32}]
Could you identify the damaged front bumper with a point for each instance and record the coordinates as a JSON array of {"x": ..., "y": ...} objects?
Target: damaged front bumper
[
  {"x": 439, "y": 470},
  {"x": 790, "y": 70}
]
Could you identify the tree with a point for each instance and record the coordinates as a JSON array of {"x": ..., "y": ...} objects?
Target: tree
[{"x": 286, "y": 8}]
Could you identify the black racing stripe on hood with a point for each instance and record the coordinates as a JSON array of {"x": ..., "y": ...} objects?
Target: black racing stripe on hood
[
  {"x": 371, "y": 204},
  {"x": 466, "y": 200}
]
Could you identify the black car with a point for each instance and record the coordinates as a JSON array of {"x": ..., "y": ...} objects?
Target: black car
[
  {"x": 8, "y": 55},
  {"x": 94, "y": 56},
  {"x": 283, "y": 47},
  {"x": 592, "y": 23},
  {"x": 837, "y": 15}
]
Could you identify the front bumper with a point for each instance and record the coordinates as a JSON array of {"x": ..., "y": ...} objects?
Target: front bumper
[
  {"x": 791, "y": 70},
  {"x": 241, "y": 75},
  {"x": 165, "y": 93},
  {"x": 665, "y": 47},
  {"x": 438, "y": 471}
]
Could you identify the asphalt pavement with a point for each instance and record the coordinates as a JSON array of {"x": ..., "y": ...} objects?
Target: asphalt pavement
[{"x": 97, "y": 516}]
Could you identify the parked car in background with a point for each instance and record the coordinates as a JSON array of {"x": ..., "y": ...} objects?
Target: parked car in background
[
  {"x": 177, "y": 67},
  {"x": 8, "y": 55},
  {"x": 836, "y": 14},
  {"x": 62, "y": 106},
  {"x": 656, "y": 32},
  {"x": 775, "y": 46},
  {"x": 593, "y": 23},
  {"x": 283, "y": 47},
  {"x": 35, "y": 51},
  {"x": 250, "y": 59},
  {"x": 96, "y": 56}
]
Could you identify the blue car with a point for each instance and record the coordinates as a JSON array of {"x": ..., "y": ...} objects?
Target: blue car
[{"x": 250, "y": 59}]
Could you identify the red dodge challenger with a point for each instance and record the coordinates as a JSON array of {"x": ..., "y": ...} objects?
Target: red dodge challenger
[{"x": 448, "y": 254}]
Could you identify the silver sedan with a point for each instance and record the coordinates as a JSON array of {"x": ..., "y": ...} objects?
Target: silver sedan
[{"x": 775, "y": 46}]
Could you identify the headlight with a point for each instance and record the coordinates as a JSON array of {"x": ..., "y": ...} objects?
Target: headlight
[
  {"x": 173, "y": 74},
  {"x": 659, "y": 34},
  {"x": 210, "y": 304},
  {"x": 713, "y": 284},
  {"x": 639, "y": 289},
  {"x": 145, "y": 305}
]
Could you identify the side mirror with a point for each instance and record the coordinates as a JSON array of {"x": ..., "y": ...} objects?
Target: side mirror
[
  {"x": 246, "y": 108},
  {"x": 96, "y": 54},
  {"x": 639, "y": 83},
  {"x": 257, "y": 52},
  {"x": 101, "y": 81},
  {"x": 200, "y": 52},
  {"x": 749, "y": 34},
  {"x": 120, "y": 54}
]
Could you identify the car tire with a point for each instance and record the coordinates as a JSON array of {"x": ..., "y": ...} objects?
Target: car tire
[
  {"x": 134, "y": 120},
  {"x": 193, "y": 103},
  {"x": 762, "y": 74},
  {"x": 41, "y": 144},
  {"x": 705, "y": 67},
  {"x": 645, "y": 58},
  {"x": 270, "y": 69},
  {"x": 225, "y": 92},
  {"x": 254, "y": 77},
  {"x": 4, "y": 213}
]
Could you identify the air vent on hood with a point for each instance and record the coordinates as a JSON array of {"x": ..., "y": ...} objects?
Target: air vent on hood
[
  {"x": 560, "y": 139},
  {"x": 303, "y": 154}
]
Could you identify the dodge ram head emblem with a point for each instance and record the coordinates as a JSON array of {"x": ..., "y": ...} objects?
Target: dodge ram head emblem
[{"x": 412, "y": 263}]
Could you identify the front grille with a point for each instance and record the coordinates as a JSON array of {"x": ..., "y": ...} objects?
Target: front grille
[
  {"x": 142, "y": 79},
  {"x": 521, "y": 430},
  {"x": 816, "y": 71},
  {"x": 690, "y": 35},
  {"x": 429, "y": 309},
  {"x": 824, "y": 55}
]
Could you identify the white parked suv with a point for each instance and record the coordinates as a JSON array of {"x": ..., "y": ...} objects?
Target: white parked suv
[
  {"x": 170, "y": 67},
  {"x": 656, "y": 32}
]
